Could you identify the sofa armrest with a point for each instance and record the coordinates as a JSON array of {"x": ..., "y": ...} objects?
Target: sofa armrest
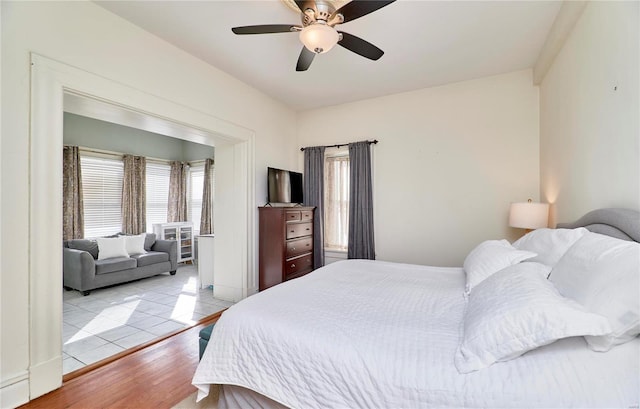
[
  {"x": 168, "y": 246},
  {"x": 78, "y": 268}
]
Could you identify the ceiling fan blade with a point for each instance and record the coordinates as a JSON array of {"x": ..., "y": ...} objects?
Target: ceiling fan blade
[
  {"x": 358, "y": 8},
  {"x": 264, "y": 29},
  {"x": 300, "y": 4},
  {"x": 305, "y": 59},
  {"x": 360, "y": 46}
]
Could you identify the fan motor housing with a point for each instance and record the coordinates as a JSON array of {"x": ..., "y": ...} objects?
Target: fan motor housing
[{"x": 322, "y": 10}]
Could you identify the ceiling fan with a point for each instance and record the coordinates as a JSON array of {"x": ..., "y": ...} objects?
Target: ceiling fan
[{"x": 318, "y": 33}]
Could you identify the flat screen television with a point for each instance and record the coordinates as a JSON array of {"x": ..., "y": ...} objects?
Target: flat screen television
[{"x": 284, "y": 186}]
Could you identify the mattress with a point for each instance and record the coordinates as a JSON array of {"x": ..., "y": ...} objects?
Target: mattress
[{"x": 362, "y": 333}]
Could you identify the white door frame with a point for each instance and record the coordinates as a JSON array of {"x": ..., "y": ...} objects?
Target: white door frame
[{"x": 49, "y": 81}]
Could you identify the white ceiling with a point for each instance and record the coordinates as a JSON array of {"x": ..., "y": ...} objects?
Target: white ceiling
[{"x": 426, "y": 43}]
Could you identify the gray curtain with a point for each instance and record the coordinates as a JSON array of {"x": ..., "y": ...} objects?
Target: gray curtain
[
  {"x": 314, "y": 196},
  {"x": 361, "y": 239},
  {"x": 134, "y": 194},
  {"x": 177, "y": 205},
  {"x": 206, "y": 225},
  {"x": 72, "y": 205}
]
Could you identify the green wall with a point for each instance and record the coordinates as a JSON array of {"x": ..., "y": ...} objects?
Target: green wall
[{"x": 93, "y": 133}]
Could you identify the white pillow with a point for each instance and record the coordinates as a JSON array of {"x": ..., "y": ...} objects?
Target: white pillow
[
  {"x": 517, "y": 310},
  {"x": 135, "y": 244},
  {"x": 549, "y": 244},
  {"x": 603, "y": 274},
  {"x": 489, "y": 257},
  {"x": 111, "y": 247}
]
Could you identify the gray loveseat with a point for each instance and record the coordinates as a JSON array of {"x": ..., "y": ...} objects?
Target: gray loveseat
[{"x": 83, "y": 271}]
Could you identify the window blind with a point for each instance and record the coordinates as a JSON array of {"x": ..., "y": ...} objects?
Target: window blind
[
  {"x": 336, "y": 202},
  {"x": 102, "y": 195},
  {"x": 157, "y": 193}
]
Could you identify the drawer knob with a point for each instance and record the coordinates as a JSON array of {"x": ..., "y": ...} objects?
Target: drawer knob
[
  {"x": 293, "y": 266},
  {"x": 293, "y": 231},
  {"x": 293, "y": 248},
  {"x": 307, "y": 229}
]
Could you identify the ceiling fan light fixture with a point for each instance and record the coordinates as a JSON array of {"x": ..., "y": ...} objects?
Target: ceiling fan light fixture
[{"x": 319, "y": 38}]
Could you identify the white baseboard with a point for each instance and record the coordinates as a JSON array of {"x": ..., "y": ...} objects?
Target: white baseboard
[
  {"x": 45, "y": 377},
  {"x": 225, "y": 293},
  {"x": 15, "y": 391}
]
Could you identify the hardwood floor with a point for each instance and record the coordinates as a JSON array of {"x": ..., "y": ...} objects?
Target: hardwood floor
[{"x": 157, "y": 376}]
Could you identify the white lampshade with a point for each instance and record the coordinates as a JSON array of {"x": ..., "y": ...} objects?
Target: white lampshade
[
  {"x": 529, "y": 215},
  {"x": 319, "y": 38}
]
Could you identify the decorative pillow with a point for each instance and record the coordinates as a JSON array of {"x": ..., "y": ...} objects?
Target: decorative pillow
[
  {"x": 135, "y": 244},
  {"x": 517, "y": 310},
  {"x": 489, "y": 257},
  {"x": 89, "y": 246},
  {"x": 111, "y": 247},
  {"x": 149, "y": 241},
  {"x": 549, "y": 244},
  {"x": 603, "y": 274}
]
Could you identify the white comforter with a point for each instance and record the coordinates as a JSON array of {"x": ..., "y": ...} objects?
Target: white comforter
[{"x": 383, "y": 335}]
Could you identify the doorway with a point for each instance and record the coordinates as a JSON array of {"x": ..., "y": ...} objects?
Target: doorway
[
  {"x": 116, "y": 318},
  {"x": 233, "y": 214}
]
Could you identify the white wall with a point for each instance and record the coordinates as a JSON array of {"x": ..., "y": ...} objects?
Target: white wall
[
  {"x": 92, "y": 133},
  {"x": 449, "y": 162},
  {"x": 84, "y": 35},
  {"x": 589, "y": 115}
]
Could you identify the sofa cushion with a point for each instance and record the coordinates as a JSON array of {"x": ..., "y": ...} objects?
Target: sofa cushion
[
  {"x": 134, "y": 244},
  {"x": 152, "y": 257},
  {"x": 109, "y": 265},
  {"x": 90, "y": 246},
  {"x": 149, "y": 241},
  {"x": 111, "y": 247}
]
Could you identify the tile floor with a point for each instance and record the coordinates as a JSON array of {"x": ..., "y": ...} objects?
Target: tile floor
[{"x": 113, "y": 319}]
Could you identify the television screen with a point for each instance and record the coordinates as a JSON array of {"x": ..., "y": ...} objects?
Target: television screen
[{"x": 284, "y": 186}]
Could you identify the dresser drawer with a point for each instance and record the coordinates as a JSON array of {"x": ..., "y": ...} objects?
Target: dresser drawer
[
  {"x": 299, "y": 246},
  {"x": 298, "y": 264},
  {"x": 306, "y": 215},
  {"x": 292, "y": 215},
  {"x": 299, "y": 230}
]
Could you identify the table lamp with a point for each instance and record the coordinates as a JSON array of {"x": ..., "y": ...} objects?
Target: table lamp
[{"x": 529, "y": 215}]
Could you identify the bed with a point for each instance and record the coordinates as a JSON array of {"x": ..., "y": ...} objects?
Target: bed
[{"x": 380, "y": 335}]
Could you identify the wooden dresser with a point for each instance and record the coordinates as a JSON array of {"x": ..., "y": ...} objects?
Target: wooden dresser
[{"x": 285, "y": 244}]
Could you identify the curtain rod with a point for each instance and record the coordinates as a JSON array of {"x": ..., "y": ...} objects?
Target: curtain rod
[
  {"x": 149, "y": 158},
  {"x": 118, "y": 154},
  {"x": 341, "y": 144}
]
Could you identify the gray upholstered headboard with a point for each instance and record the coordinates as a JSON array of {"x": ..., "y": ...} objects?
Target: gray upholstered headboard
[{"x": 620, "y": 223}]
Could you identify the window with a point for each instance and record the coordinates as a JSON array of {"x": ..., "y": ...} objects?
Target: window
[
  {"x": 336, "y": 201},
  {"x": 196, "y": 184},
  {"x": 102, "y": 195},
  {"x": 157, "y": 193}
]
